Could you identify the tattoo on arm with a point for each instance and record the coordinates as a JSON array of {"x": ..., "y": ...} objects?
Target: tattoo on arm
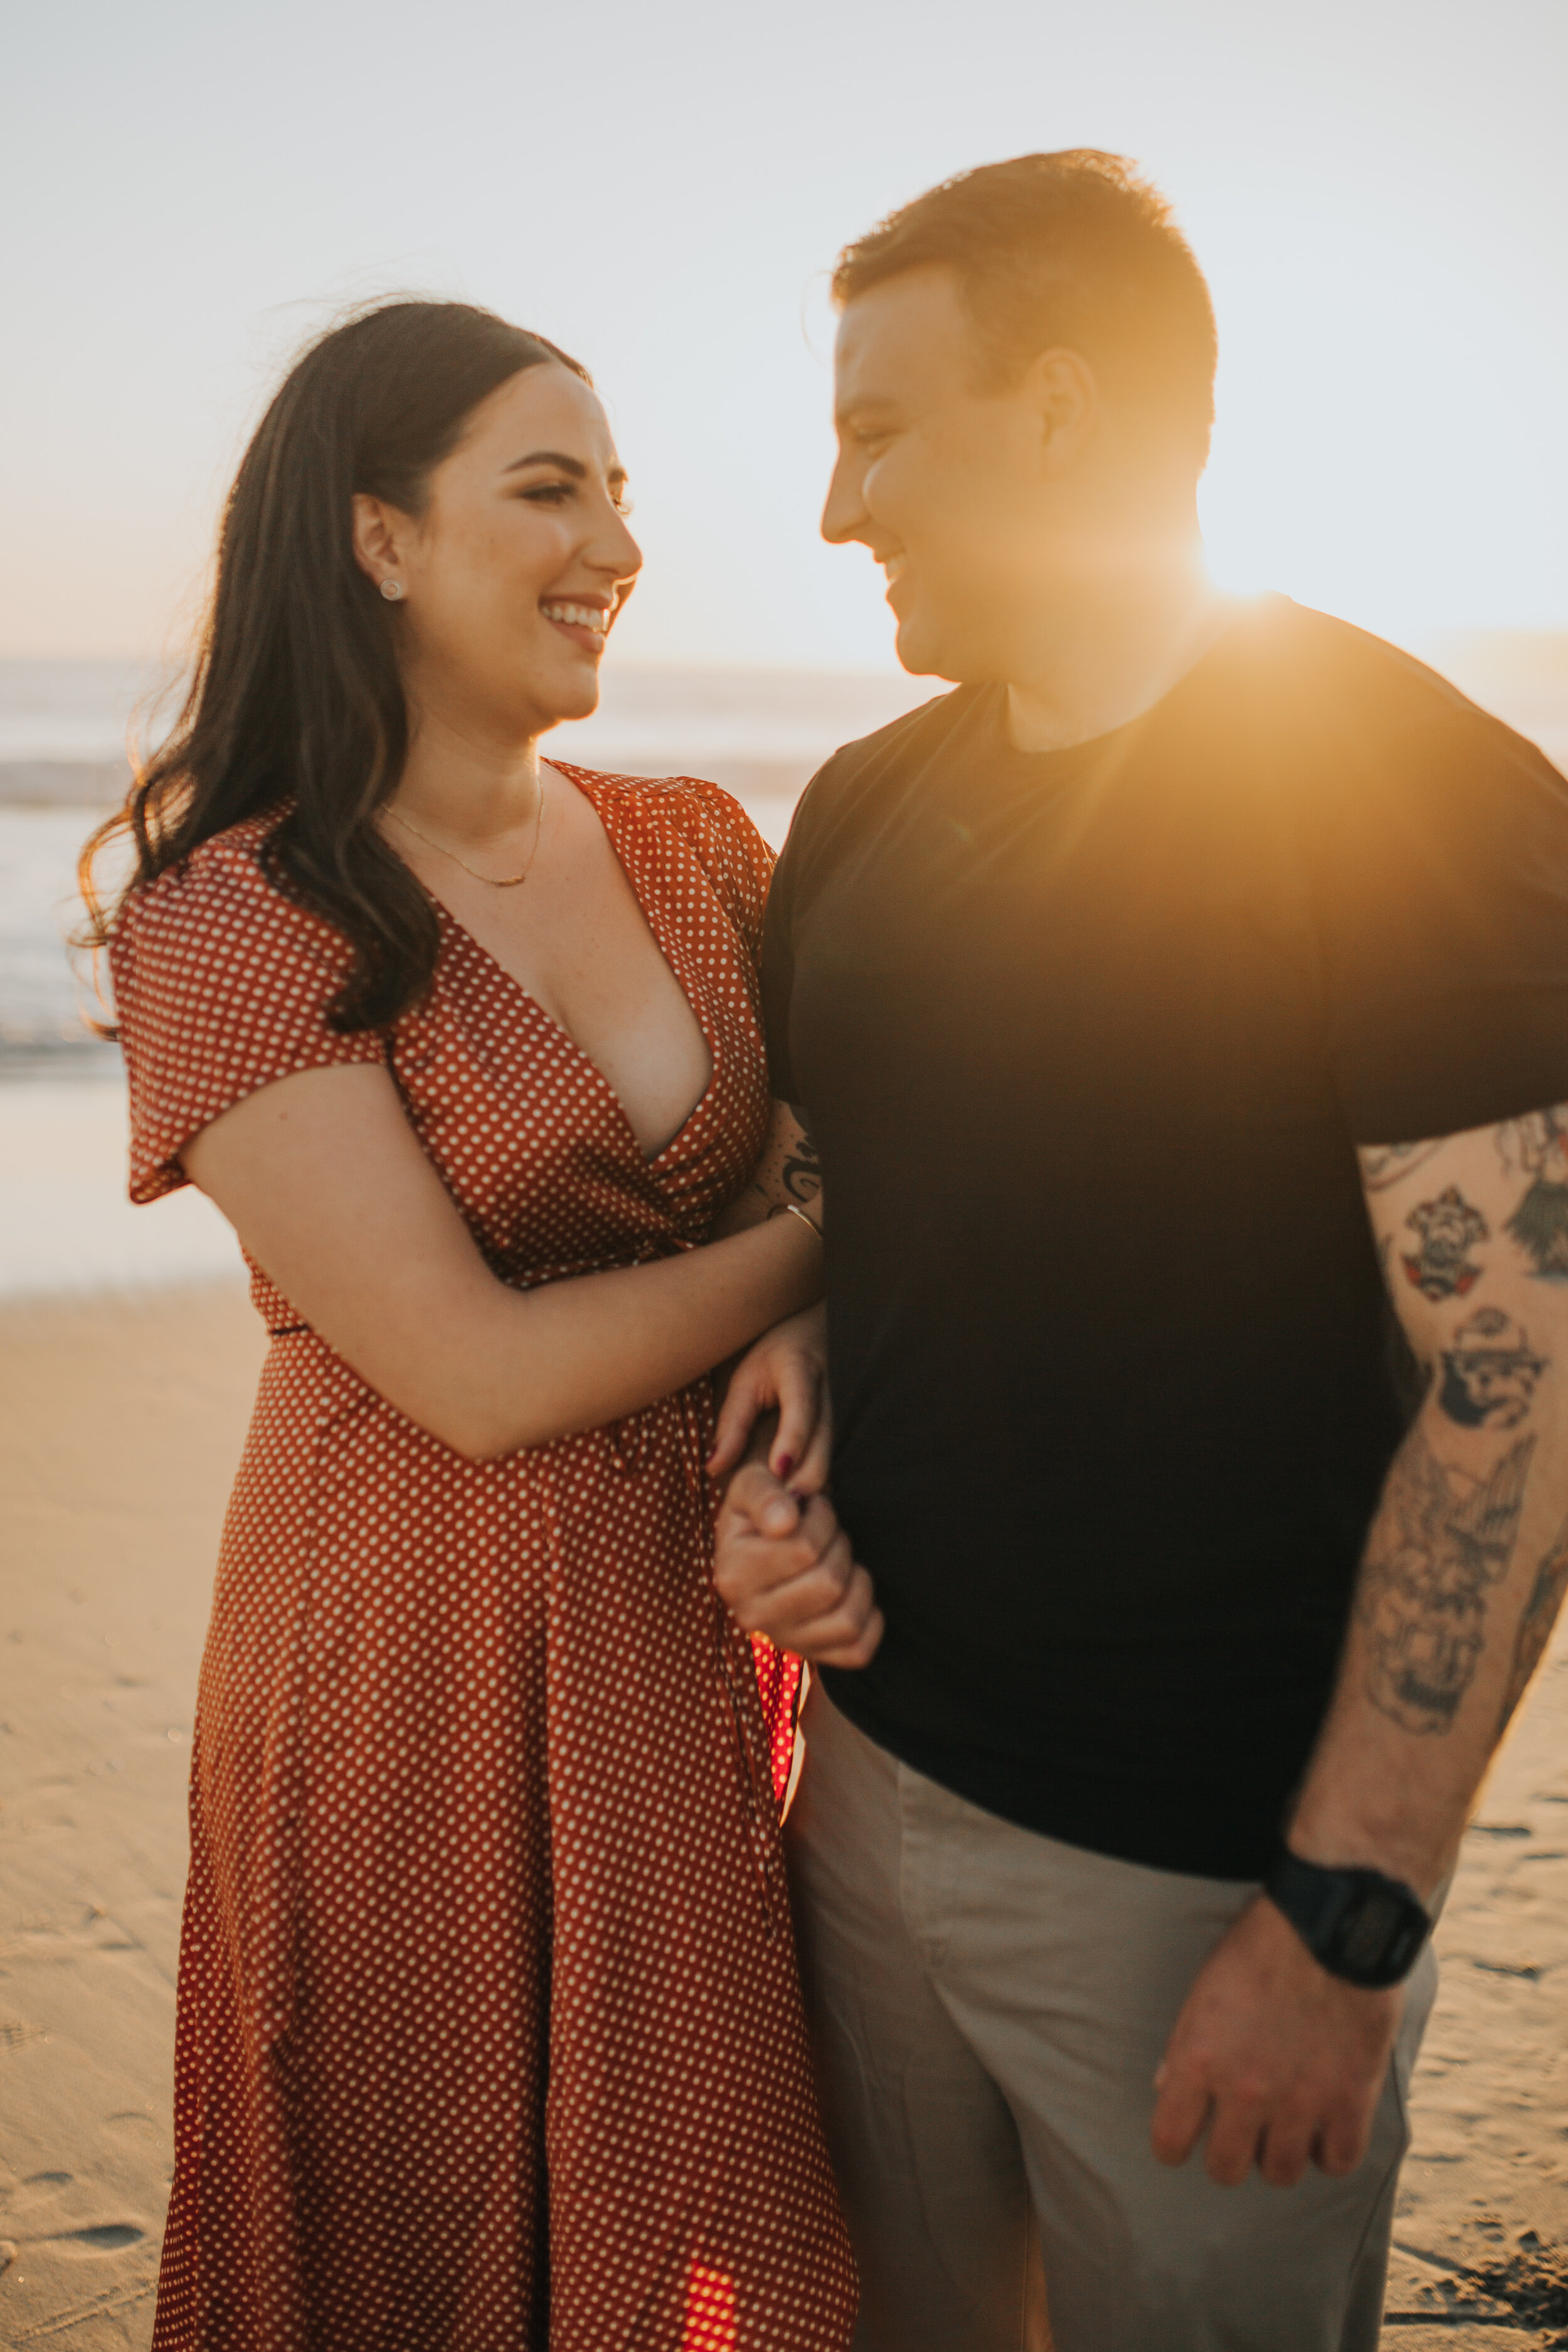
[
  {"x": 1489, "y": 1373},
  {"x": 1535, "y": 1625},
  {"x": 1438, "y": 1542},
  {"x": 1447, "y": 1230},
  {"x": 801, "y": 1172},
  {"x": 789, "y": 1169},
  {"x": 1537, "y": 1146},
  {"x": 1382, "y": 1164}
]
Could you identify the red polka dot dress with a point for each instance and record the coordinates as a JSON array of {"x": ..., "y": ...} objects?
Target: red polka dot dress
[{"x": 488, "y": 2031}]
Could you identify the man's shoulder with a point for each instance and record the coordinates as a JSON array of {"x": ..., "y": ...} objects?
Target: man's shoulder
[
  {"x": 891, "y": 748},
  {"x": 853, "y": 774},
  {"x": 1332, "y": 677}
]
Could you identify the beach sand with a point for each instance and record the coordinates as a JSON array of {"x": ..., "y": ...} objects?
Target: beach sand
[
  {"x": 120, "y": 1423},
  {"x": 123, "y": 1421}
]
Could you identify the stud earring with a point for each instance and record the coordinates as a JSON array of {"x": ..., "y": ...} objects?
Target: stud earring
[{"x": 392, "y": 590}]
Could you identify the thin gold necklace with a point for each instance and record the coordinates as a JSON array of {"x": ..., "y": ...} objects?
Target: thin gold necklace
[{"x": 495, "y": 881}]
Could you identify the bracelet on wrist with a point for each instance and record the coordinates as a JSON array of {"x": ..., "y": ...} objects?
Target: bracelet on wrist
[{"x": 788, "y": 1209}]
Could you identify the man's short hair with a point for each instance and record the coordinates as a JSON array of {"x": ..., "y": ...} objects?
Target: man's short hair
[{"x": 1072, "y": 249}]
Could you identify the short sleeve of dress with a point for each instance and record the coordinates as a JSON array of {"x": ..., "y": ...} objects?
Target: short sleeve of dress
[
  {"x": 1442, "y": 892},
  {"x": 221, "y": 985}
]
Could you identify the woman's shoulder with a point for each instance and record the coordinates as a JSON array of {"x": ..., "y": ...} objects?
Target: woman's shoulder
[
  {"x": 213, "y": 925},
  {"x": 221, "y": 891},
  {"x": 682, "y": 802},
  {"x": 223, "y": 862},
  {"x": 222, "y": 984},
  {"x": 207, "y": 877},
  {"x": 705, "y": 819}
]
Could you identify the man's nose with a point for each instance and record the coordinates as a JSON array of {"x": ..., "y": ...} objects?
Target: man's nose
[{"x": 843, "y": 514}]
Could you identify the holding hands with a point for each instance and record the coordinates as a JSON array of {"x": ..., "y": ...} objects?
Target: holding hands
[
  {"x": 783, "y": 1568},
  {"x": 783, "y": 1564}
]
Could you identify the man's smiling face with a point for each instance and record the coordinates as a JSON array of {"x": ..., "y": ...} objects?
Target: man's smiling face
[{"x": 940, "y": 476}]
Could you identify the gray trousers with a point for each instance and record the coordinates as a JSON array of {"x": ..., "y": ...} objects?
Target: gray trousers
[{"x": 988, "y": 2008}]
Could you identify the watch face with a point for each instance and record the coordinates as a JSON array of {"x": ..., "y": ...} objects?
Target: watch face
[
  {"x": 1376, "y": 1923},
  {"x": 1362, "y": 1925}
]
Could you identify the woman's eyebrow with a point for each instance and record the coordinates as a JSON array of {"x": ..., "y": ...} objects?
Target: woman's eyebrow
[{"x": 572, "y": 466}]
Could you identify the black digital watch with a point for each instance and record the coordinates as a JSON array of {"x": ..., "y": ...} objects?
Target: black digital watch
[{"x": 1357, "y": 1924}]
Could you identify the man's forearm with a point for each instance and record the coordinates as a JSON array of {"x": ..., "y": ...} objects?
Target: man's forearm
[
  {"x": 1463, "y": 1575},
  {"x": 1279, "y": 2051},
  {"x": 787, "y": 1174}
]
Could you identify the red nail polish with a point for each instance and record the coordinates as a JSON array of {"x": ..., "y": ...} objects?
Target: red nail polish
[{"x": 785, "y": 1466}]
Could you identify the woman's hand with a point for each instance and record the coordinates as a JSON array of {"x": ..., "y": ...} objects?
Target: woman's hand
[{"x": 786, "y": 1371}]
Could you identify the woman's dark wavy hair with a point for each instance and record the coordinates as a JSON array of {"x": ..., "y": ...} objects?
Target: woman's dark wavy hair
[{"x": 295, "y": 704}]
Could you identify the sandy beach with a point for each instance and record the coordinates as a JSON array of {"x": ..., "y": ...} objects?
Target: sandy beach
[{"x": 121, "y": 1419}]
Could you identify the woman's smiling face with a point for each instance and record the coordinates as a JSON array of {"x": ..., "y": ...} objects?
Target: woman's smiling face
[{"x": 513, "y": 574}]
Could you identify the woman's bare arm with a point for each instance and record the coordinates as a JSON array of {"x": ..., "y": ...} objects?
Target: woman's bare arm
[{"x": 325, "y": 1182}]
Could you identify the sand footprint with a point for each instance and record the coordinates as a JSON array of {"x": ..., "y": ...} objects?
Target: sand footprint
[
  {"x": 105, "y": 2238},
  {"x": 36, "y": 2188},
  {"x": 96, "y": 2238}
]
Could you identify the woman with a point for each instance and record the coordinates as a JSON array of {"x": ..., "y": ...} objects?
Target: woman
[{"x": 489, "y": 2034}]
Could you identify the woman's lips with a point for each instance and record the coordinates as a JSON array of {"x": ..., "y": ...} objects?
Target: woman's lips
[{"x": 587, "y": 625}]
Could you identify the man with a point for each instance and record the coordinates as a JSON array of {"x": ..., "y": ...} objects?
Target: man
[{"x": 1206, "y": 1596}]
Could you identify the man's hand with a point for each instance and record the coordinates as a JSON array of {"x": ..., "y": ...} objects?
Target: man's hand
[
  {"x": 783, "y": 1568},
  {"x": 1284, "y": 2061}
]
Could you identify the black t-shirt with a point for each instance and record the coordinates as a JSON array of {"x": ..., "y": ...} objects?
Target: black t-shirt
[{"x": 1086, "y": 1039}]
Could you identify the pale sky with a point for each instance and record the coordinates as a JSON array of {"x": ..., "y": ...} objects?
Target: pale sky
[{"x": 1378, "y": 190}]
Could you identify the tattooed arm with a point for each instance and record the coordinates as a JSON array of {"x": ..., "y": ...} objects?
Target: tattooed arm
[
  {"x": 1463, "y": 1573},
  {"x": 1468, "y": 1556},
  {"x": 787, "y": 1172}
]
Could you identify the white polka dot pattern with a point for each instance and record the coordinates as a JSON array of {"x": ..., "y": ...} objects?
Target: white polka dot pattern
[{"x": 488, "y": 2031}]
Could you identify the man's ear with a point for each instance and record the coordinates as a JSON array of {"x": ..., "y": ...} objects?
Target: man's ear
[
  {"x": 1062, "y": 387},
  {"x": 380, "y": 536}
]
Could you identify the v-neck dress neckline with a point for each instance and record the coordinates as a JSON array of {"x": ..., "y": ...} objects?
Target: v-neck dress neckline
[{"x": 665, "y": 936}]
